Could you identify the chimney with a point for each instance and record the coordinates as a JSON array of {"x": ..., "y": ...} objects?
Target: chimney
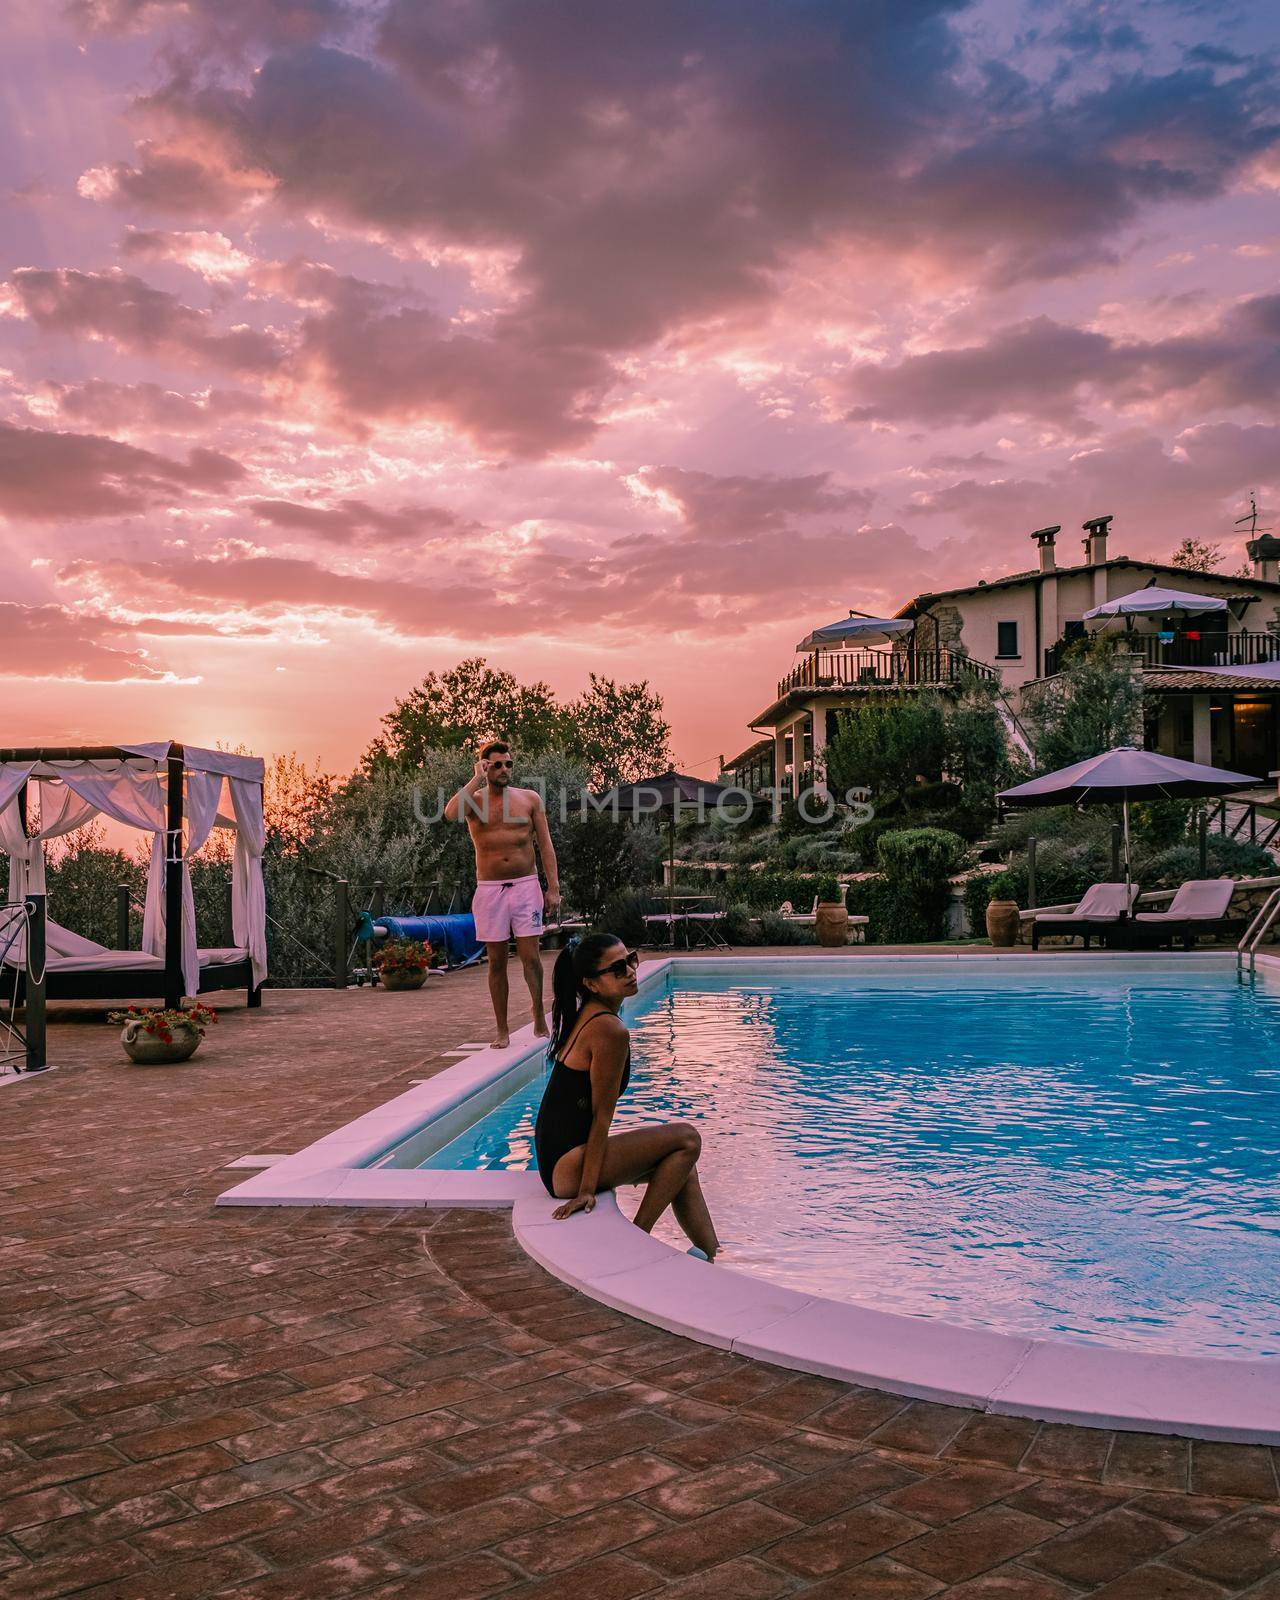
[
  {"x": 1095, "y": 540},
  {"x": 1264, "y": 552},
  {"x": 1044, "y": 537}
]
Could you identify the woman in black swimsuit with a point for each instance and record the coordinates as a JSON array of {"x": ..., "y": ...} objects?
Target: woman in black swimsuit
[{"x": 591, "y": 1066}]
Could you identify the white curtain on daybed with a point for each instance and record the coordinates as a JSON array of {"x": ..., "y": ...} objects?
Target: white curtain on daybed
[
  {"x": 59, "y": 814},
  {"x": 137, "y": 798}
]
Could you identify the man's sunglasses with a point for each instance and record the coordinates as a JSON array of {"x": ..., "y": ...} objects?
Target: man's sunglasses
[{"x": 621, "y": 967}]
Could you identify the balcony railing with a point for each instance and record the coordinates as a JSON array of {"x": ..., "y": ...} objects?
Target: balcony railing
[
  {"x": 1188, "y": 648},
  {"x": 882, "y": 669}
]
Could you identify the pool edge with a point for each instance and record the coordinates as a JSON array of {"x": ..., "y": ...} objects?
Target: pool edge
[{"x": 609, "y": 1260}]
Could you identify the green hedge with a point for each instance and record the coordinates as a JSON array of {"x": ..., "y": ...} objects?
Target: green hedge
[{"x": 916, "y": 864}]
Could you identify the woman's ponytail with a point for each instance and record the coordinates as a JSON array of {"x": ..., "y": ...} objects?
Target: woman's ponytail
[{"x": 579, "y": 959}]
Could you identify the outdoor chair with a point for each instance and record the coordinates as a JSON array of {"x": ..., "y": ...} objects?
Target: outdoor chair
[
  {"x": 1104, "y": 909},
  {"x": 1200, "y": 906},
  {"x": 702, "y": 927},
  {"x": 788, "y": 913},
  {"x": 660, "y": 923}
]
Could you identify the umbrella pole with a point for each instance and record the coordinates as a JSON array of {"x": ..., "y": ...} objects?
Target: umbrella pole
[
  {"x": 1128, "y": 863},
  {"x": 671, "y": 876}
]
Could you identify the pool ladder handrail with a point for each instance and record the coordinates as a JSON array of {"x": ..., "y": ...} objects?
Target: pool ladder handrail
[{"x": 1255, "y": 933}]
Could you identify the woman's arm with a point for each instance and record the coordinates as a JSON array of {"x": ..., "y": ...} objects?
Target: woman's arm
[{"x": 608, "y": 1058}]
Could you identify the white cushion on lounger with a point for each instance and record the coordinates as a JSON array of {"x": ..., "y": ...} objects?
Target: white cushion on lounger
[
  {"x": 107, "y": 961},
  {"x": 1102, "y": 902},
  {"x": 60, "y": 941},
  {"x": 1198, "y": 900},
  {"x": 224, "y": 956}
]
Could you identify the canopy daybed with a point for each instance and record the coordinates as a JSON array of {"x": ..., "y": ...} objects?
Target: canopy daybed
[{"x": 178, "y": 794}]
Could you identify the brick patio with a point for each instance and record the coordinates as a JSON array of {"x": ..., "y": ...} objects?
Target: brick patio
[{"x": 312, "y": 1403}]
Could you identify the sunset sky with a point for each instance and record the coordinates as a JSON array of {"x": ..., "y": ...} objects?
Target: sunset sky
[{"x": 339, "y": 341}]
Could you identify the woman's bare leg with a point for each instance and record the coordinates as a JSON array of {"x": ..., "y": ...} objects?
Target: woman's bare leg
[
  {"x": 691, "y": 1213},
  {"x": 665, "y": 1156}
]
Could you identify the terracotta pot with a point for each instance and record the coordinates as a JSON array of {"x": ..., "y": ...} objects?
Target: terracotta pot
[
  {"x": 1003, "y": 920},
  {"x": 149, "y": 1050},
  {"x": 831, "y": 924},
  {"x": 403, "y": 979}
]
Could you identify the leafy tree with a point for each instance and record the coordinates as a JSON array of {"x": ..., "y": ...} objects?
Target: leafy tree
[
  {"x": 456, "y": 710},
  {"x": 82, "y": 872},
  {"x": 617, "y": 728},
  {"x": 978, "y": 755},
  {"x": 1092, "y": 705},
  {"x": 943, "y": 754},
  {"x": 620, "y": 731},
  {"x": 1195, "y": 555},
  {"x": 887, "y": 743}
]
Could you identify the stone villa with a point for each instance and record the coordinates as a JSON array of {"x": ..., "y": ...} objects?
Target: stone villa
[{"x": 1015, "y": 629}]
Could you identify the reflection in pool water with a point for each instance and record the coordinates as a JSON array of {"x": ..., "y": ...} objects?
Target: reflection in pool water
[{"x": 1080, "y": 1155}]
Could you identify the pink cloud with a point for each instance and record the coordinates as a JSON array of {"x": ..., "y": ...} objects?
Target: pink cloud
[
  {"x": 136, "y": 317},
  {"x": 50, "y": 475},
  {"x": 1045, "y": 369},
  {"x": 355, "y": 522},
  {"x": 150, "y": 405},
  {"x": 50, "y": 641},
  {"x": 211, "y": 254},
  {"x": 738, "y": 504}
]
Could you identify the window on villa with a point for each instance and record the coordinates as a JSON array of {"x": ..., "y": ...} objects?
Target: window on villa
[{"x": 1006, "y": 638}]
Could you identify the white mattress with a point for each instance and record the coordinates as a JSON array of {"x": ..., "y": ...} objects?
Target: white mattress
[{"x": 104, "y": 960}]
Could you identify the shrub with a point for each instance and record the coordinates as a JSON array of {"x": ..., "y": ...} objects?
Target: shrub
[
  {"x": 1225, "y": 858},
  {"x": 623, "y": 915},
  {"x": 767, "y": 890},
  {"x": 775, "y": 929},
  {"x": 916, "y": 863},
  {"x": 830, "y": 893},
  {"x": 738, "y": 927},
  {"x": 872, "y": 898}
]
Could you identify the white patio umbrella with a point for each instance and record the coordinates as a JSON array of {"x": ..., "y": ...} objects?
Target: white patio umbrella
[
  {"x": 1155, "y": 601},
  {"x": 1126, "y": 774},
  {"x": 853, "y": 630}
]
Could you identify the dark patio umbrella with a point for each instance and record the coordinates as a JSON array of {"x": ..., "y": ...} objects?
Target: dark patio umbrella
[
  {"x": 669, "y": 792},
  {"x": 1126, "y": 774}
]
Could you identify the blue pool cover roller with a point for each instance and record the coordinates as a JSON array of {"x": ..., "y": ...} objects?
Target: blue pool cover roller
[{"x": 454, "y": 934}]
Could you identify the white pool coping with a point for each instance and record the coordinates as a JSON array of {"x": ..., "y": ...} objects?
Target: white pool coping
[{"x": 607, "y": 1258}]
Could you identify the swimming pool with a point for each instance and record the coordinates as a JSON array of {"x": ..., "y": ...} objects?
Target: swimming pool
[{"x": 1082, "y": 1153}]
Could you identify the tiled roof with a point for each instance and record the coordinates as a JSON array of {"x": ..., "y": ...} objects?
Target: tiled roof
[
  {"x": 1168, "y": 678},
  {"x": 922, "y": 601}
]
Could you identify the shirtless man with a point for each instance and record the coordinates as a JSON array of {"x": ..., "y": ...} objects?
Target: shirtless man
[{"x": 505, "y": 822}]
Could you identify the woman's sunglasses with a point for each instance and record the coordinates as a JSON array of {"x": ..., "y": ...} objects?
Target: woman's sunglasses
[{"x": 621, "y": 967}]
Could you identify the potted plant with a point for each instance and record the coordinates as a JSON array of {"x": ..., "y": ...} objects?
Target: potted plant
[
  {"x": 1003, "y": 916},
  {"x": 403, "y": 963},
  {"x": 831, "y": 920},
  {"x": 154, "y": 1038}
]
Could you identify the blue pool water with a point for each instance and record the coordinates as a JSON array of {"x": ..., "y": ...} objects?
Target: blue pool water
[{"x": 1090, "y": 1155}]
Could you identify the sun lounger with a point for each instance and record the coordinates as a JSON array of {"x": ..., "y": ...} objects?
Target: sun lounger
[
  {"x": 1200, "y": 906},
  {"x": 788, "y": 913},
  {"x": 1104, "y": 908}
]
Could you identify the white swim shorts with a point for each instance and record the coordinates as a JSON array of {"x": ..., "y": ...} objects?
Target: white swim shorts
[{"x": 503, "y": 908}]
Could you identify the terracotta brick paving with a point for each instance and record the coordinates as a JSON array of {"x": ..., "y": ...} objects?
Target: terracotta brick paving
[{"x": 293, "y": 1404}]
